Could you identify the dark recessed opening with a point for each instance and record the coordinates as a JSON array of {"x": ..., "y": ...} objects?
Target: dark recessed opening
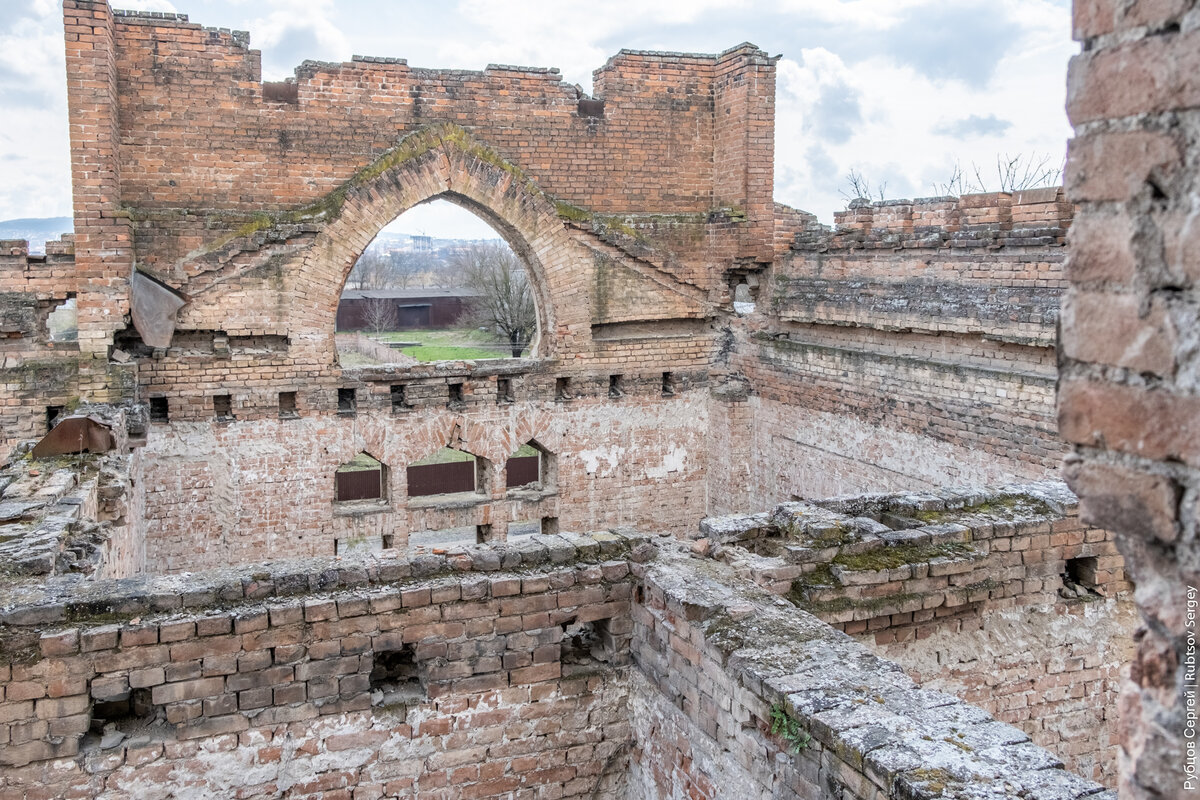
[
  {"x": 549, "y": 526},
  {"x": 591, "y": 108},
  {"x": 614, "y": 386},
  {"x": 446, "y": 471},
  {"x": 395, "y": 677},
  {"x": 455, "y": 392},
  {"x": 52, "y": 415},
  {"x": 399, "y": 398},
  {"x": 562, "y": 388},
  {"x": 223, "y": 406},
  {"x": 1079, "y": 577},
  {"x": 347, "y": 401},
  {"x": 281, "y": 92},
  {"x": 287, "y": 405},
  {"x": 125, "y": 711},
  {"x": 668, "y": 384},
  {"x": 159, "y": 410},
  {"x": 584, "y": 646},
  {"x": 483, "y": 533},
  {"x": 504, "y": 390}
]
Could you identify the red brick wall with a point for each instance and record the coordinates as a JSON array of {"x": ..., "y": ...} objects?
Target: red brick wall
[
  {"x": 1127, "y": 399},
  {"x": 273, "y": 693}
]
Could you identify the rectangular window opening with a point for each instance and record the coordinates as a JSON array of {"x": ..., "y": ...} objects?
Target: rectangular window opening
[
  {"x": 455, "y": 393},
  {"x": 52, "y": 415},
  {"x": 223, "y": 406},
  {"x": 584, "y": 646},
  {"x": 1079, "y": 578},
  {"x": 159, "y": 410},
  {"x": 483, "y": 533},
  {"x": 562, "y": 389},
  {"x": 668, "y": 384},
  {"x": 549, "y": 526},
  {"x": 614, "y": 386},
  {"x": 399, "y": 398},
  {"x": 287, "y": 405},
  {"x": 347, "y": 401},
  {"x": 395, "y": 677},
  {"x": 504, "y": 390}
]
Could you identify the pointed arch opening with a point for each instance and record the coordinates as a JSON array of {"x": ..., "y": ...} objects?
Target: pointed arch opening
[
  {"x": 443, "y": 162},
  {"x": 437, "y": 283}
]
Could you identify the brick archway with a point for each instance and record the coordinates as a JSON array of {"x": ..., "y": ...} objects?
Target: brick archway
[{"x": 443, "y": 162}]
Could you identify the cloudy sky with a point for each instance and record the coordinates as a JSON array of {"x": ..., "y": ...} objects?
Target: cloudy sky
[{"x": 896, "y": 90}]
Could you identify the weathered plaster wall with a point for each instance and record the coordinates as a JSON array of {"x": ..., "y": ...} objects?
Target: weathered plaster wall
[{"x": 244, "y": 491}]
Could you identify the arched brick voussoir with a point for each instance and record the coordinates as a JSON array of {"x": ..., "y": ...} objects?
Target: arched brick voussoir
[
  {"x": 443, "y": 162},
  {"x": 538, "y": 426}
]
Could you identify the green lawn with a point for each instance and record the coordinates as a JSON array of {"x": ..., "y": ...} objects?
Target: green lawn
[
  {"x": 439, "y": 353},
  {"x": 456, "y": 344}
]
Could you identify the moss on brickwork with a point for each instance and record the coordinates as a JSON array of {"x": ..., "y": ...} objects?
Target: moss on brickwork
[
  {"x": 1016, "y": 506},
  {"x": 901, "y": 555}
]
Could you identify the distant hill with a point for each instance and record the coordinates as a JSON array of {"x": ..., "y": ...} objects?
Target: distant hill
[{"x": 38, "y": 230}]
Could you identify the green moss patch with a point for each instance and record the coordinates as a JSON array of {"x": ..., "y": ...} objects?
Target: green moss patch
[{"x": 893, "y": 557}]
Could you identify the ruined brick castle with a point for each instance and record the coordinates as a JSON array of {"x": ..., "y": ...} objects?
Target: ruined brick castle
[{"x": 801, "y": 527}]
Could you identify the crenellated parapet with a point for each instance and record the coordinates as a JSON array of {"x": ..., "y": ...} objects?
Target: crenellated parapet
[
  {"x": 47, "y": 277},
  {"x": 1029, "y": 218}
]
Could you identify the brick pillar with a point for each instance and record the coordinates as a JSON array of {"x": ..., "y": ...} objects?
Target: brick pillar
[
  {"x": 103, "y": 244},
  {"x": 1129, "y": 384},
  {"x": 744, "y": 145}
]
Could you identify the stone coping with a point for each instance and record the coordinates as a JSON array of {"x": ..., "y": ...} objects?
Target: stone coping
[
  {"x": 909, "y": 741},
  {"x": 71, "y": 599}
]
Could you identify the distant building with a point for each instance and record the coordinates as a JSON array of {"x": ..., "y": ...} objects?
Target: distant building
[{"x": 415, "y": 308}]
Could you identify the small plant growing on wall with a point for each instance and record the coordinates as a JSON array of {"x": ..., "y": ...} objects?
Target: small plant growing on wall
[{"x": 788, "y": 728}]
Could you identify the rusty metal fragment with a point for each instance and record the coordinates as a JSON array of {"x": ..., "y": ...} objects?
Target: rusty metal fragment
[
  {"x": 153, "y": 305},
  {"x": 76, "y": 434}
]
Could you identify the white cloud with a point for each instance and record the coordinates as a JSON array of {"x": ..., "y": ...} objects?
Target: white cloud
[
  {"x": 147, "y": 5},
  {"x": 297, "y": 30}
]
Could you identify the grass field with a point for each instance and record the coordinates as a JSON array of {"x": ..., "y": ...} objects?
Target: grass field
[
  {"x": 442, "y": 353},
  {"x": 458, "y": 344}
]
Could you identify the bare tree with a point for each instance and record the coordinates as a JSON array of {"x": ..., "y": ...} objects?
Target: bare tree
[
  {"x": 504, "y": 300},
  {"x": 1024, "y": 171},
  {"x": 379, "y": 314},
  {"x": 371, "y": 271},
  {"x": 857, "y": 187},
  {"x": 1013, "y": 174}
]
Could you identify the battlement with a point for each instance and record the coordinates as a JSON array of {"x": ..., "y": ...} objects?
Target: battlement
[
  {"x": 1030, "y": 218},
  {"x": 49, "y": 276}
]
